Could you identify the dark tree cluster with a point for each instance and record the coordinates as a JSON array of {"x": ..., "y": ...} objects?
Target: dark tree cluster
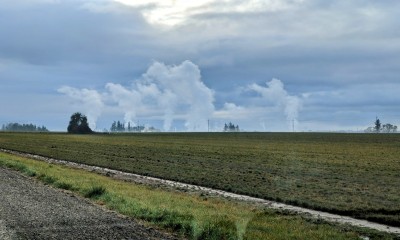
[
  {"x": 79, "y": 124},
  {"x": 16, "y": 127},
  {"x": 231, "y": 127},
  {"x": 389, "y": 128},
  {"x": 379, "y": 128},
  {"x": 118, "y": 126}
]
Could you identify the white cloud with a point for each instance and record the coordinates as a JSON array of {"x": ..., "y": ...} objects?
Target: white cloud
[
  {"x": 232, "y": 111},
  {"x": 165, "y": 12},
  {"x": 177, "y": 11}
]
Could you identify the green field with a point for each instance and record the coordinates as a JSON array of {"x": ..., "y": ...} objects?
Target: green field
[{"x": 352, "y": 174}]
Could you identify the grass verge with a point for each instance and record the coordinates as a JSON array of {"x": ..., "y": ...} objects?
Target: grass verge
[{"x": 192, "y": 216}]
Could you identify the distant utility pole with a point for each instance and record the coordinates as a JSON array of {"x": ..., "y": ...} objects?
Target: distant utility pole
[
  {"x": 208, "y": 124},
  {"x": 293, "y": 124}
]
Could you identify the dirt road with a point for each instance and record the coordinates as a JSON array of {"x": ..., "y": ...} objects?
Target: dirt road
[{"x": 31, "y": 210}]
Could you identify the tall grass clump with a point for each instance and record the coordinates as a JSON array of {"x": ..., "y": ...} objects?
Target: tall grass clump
[
  {"x": 94, "y": 192},
  {"x": 219, "y": 229},
  {"x": 46, "y": 178},
  {"x": 63, "y": 185}
]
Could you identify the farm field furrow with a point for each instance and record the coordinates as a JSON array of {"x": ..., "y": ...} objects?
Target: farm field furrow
[{"x": 350, "y": 174}]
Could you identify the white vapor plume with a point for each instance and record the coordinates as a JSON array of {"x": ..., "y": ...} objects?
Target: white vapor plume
[
  {"x": 181, "y": 91},
  {"x": 89, "y": 102},
  {"x": 275, "y": 93},
  {"x": 170, "y": 92},
  {"x": 127, "y": 100}
]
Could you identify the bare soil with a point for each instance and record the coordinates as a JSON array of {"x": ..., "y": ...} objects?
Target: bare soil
[
  {"x": 31, "y": 210},
  {"x": 209, "y": 191}
]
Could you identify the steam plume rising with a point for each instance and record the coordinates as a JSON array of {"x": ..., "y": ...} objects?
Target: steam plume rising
[
  {"x": 87, "y": 101},
  {"x": 181, "y": 91},
  {"x": 275, "y": 93},
  {"x": 171, "y": 92},
  {"x": 127, "y": 100}
]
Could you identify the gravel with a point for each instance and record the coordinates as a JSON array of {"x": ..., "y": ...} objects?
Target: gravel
[{"x": 32, "y": 210}]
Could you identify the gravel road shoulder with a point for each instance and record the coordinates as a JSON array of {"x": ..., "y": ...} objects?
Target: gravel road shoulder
[{"x": 31, "y": 210}]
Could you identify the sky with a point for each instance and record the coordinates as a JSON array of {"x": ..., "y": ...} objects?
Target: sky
[{"x": 265, "y": 65}]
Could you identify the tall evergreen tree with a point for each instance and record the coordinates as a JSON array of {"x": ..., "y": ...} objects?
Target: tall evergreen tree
[
  {"x": 113, "y": 127},
  {"x": 377, "y": 125}
]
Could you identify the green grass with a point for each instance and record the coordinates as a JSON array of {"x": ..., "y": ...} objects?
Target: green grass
[
  {"x": 190, "y": 215},
  {"x": 94, "y": 192},
  {"x": 351, "y": 174}
]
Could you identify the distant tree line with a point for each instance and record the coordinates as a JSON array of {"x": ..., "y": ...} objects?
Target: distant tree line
[
  {"x": 382, "y": 128},
  {"x": 16, "y": 127},
  {"x": 118, "y": 126},
  {"x": 230, "y": 127}
]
